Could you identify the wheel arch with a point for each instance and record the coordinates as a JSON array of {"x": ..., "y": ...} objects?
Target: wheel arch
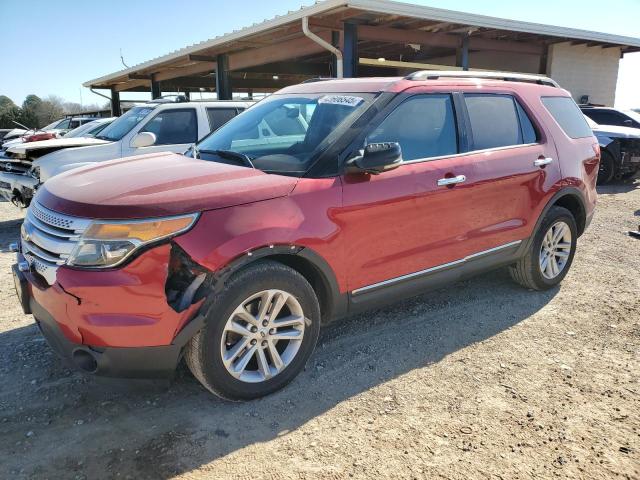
[
  {"x": 572, "y": 199},
  {"x": 312, "y": 266}
]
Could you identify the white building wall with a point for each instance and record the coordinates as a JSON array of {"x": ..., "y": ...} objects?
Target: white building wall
[{"x": 585, "y": 70}]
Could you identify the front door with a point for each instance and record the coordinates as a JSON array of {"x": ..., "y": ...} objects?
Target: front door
[
  {"x": 403, "y": 221},
  {"x": 175, "y": 130}
]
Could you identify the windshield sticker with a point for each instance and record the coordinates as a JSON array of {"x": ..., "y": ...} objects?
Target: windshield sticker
[{"x": 345, "y": 100}]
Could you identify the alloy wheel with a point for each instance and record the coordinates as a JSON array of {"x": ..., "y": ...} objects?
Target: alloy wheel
[
  {"x": 262, "y": 336},
  {"x": 555, "y": 250}
]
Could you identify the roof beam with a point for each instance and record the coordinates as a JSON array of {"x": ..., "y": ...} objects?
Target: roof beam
[
  {"x": 397, "y": 35},
  {"x": 373, "y": 62},
  {"x": 202, "y": 58},
  {"x": 121, "y": 87},
  {"x": 303, "y": 68},
  {"x": 139, "y": 76},
  {"x": 300, "y": 47},
  {"x": 185, "y": 71}
]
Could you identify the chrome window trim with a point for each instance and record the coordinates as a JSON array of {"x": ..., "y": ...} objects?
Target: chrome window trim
[
  {"x": 472, "y": 152},
  {"x": 391, "y": 281}
]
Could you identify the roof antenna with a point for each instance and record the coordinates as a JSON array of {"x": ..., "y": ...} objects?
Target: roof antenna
[{"x": 122, "y": 60}]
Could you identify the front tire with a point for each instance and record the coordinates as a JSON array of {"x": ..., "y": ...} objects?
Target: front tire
[
  {"x": 260, "y": 330},
  {"x": 550, "y": 253}
]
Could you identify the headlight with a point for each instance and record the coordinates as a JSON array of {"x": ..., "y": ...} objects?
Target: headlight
[
  {"x": 106, "y": 244},
  {"x": 34, "y": 172}
]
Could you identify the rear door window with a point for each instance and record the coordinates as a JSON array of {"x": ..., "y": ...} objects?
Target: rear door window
[
  {"x": 219, "y": 116},
  {"x": 565, "y": 111},
  {"x": 495, "y": 121},
  {"x": 423, "y": 125},
  {"x": 174, "y": 127}
]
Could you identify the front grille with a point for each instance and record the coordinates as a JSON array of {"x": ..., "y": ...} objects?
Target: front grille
[
  {"x": 48, "y": 238},
  {"x": 14, "y": 167}
]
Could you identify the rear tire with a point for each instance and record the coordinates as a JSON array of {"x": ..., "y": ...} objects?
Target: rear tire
[
  {"x": 607, "y": 168},
  {"x": 239, "y": 354},
  {"x": 535, "y": 270}
]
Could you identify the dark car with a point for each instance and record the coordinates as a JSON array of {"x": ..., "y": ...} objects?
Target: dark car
[
  {"x": 620, "y": 149},
  {"x": 611, "y": 116}
]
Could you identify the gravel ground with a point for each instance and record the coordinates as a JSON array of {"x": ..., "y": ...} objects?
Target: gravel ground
[{"x": 479, "y": 380}]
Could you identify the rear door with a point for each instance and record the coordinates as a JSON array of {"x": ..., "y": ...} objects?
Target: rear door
[
  {"x": 218, "y": 116},
  {"x": 512, "y": 167}
]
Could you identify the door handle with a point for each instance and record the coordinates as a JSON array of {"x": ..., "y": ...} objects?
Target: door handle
[
  {"x": 443, "y": 182},
  {"x": 541, "y": 162}
]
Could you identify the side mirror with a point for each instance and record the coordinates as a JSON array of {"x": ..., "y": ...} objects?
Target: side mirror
[
  {"x": 628, "y": 122},
  {"x": 143, "y": 139},
  {"x": 377, "y": 158}
]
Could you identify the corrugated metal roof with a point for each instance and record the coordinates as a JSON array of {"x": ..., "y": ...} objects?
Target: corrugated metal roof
[{"x": 379, "y": 7}]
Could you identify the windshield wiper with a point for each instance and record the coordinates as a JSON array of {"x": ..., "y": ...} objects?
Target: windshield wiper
[{"x": 230, "y": 155}]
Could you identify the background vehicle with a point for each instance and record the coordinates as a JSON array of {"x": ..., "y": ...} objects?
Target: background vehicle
[
  {"x": 155, "y": 127},
  {"x": 90, "y": 129},
  {"x": 620, "y": 147},
  {"x": 612, "y": 116},
  {"x": 17, "y": 181},
  {"x": 59, "y": 128},
  {"x": 233, "y": 258}
]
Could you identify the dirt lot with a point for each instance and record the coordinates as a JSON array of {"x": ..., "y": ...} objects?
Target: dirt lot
[{"x": 479, "y": 380}]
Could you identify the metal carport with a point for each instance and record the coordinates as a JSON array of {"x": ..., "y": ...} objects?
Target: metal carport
[{"x": 369, "y": 38}]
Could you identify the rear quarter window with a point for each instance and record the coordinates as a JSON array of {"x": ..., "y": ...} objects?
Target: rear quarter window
[{"x": 565, "y": 111}]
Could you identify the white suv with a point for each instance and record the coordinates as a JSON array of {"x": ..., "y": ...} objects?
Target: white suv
[{"x": 157, "y": 126}]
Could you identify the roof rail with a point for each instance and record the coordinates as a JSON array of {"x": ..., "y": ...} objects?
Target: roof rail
[
  {"x": 506, "y": 76},
  {"x": 318, "y": 79},
  {"x": 171, "y": 98}
]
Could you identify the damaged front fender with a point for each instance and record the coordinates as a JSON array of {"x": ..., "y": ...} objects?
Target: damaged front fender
[{"x": 123, "y": 307}]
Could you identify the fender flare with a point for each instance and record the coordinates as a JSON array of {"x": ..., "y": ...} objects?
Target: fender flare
[
  {"x": 563, "y": 192},
  {"x": 336, "y": 303}
]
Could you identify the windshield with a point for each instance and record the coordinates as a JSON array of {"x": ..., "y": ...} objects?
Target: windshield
[
  {"x": 123, "y": 125},
  {"x": 52, "y": 126},
  {"x": 284, "y": 133},
  {"x": 82, "y": 129}
]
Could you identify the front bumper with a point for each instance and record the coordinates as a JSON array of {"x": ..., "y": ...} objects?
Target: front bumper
[
  {"x": 111, "y": 323},
  {"x": 24, "y": 185}
]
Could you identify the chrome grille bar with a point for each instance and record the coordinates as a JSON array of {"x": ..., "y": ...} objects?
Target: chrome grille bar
[{"x": 48, "y": 238}]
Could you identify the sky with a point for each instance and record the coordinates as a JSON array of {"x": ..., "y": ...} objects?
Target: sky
[{"x": 53, "y": 47}]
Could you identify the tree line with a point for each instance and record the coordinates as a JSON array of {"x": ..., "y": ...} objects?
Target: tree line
[{"x": 36, "y": 112}]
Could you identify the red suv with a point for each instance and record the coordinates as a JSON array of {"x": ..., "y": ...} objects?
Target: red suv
[{"x": 323, "y": 199}]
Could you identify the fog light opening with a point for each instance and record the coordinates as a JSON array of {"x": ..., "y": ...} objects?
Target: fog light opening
[{"x": 85, "y": 361}]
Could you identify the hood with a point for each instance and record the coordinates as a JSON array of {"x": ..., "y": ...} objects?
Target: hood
[
  {"x": 12, "y": 143},
  {"x": 157, "y": 185},
  {"x": 614, "y": 131},
  {"x": 61, "y": 160},
  {"x": 16, "y": 131},
  {"x": 54, "y": 143}
]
